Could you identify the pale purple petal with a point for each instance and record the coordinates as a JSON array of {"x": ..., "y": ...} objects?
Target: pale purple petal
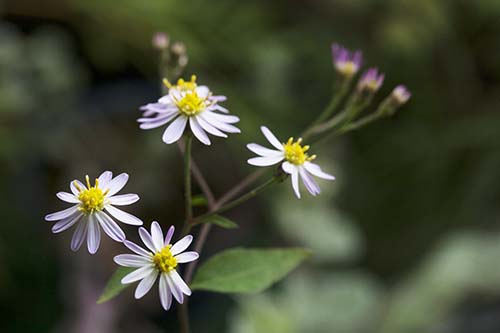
[
  {"x": 309, "y": 182},
  {"x": 122, "y": 216},
  {"x": 157, "y": 236},
  {"x": 123, "y": 199},
  {"x": 94, "y": 235},
  {"x": 175, "y": 130},
  {"x": 105, "y": 178},
  {"x": 138, "y": 274},
  {"x": 137, "y": 249},
  {"x": 132, "y": 260},
  {"x": 187, "y": 257},
  {"x": 168, "y": 236},
  {"x": 265, "y": 161},
  {"x": 73, "y": 187},
  {"x": 292, "y": 170},
  {"x": 145, "y": 285},
  {"x": 68, "y": 212},
  {"x": 316, "y": 171},
  {"x": 219, "y": 124},
  {"x": 271, "y": 138},
  {"x": 147, "y": 240},
  {"x": 165, "y": 293},
  {"x": 181, "y": 245},
  {"x": 230, "y": 119},
  {"x": 179, "y": 282},
  {"x": 110, "y": 227},
  {"x": 209, "y": 128},
  {"x": 179, "y": 296},
  {"x": 65, "y": 223},
  {"x": 116, "y": 184},
  {"x": 198, "y": 132},
  {"x": 79, "y": 235},
  {"x": 157, "y": 122},
  {"x": 263, "y": 151},
  {"x": 67, "y": 197}
]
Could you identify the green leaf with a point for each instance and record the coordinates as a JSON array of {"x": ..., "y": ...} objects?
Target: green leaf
[
  {"x": 114, "y": 286},
  {"x": 247, "y": 270},
  {"x": 199, "y": 201},
  {"x": 220, "y": 221}
]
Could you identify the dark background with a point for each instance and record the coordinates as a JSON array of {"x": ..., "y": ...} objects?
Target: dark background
[{"x": 406, "y": 240}]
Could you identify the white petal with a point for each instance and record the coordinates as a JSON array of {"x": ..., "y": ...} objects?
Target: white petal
[
  {"x": 265, "y": 161},
  {"x": 198, "y": 132},
  {"x": 122, "y": 216},
  {"x": 175, "y": 130},
  {"x": 157, "y": 235},
  {"x": 148, "y": 240},
  {"x": 220, "y": 108},
  {"x": 123, "y": 199},
  {"x": 110, "y": 227},
  {"x": 309, "y": 182},
  {"x": 168, "y": 236},
  {"x": 94, "y": 235},
  {"x": 137, "y": 249},
  {"x": 145, "y": 285},
  {"x": 105, "y": 178},
  {"x": 165, "y": 100},
  {"x": 229, "y": 119},
  {"x": 316, "y": 171},
  {"x": 165, "y": 293},
  {"x": 271, "y": 138},
  {"x": 219, "y": 124},
  {"x": 181, "y": 245},
  {"x": 179, "y": 282},
  {"x": 138, "y": 274},
  {"x": 209, "y": 128},
  {"x": 292, "y": 170},
  {"x": 202, "y": 91},
  {"x": 65, "y": 223},
  {"x": 67, "y": 197},
  {"x": 131, "y": 260},
  {"x": 218, "y": 98},
  {"x": 157, "y": 122},
  {"x": 179, "y": 296},
  {"x": 79, "y": 235},
  {"x": 116, "y": 184},
  {"x": 263, "y": 151},
  {"x": 68, "y": 212},
  {"x": 73, "y": 187},
  {"x": 187, "y": 257}
]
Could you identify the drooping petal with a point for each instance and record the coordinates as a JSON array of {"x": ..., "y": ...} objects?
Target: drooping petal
[
  {"x": 181, "y": 245},
  {"x": 94, "y": 235},
  {"x": 67, "y": 197},
  {"x": 157, "y": 235},
  {"x": 198, "y": 131},
  {"x": 110, "y": 227},
  {"x": 68, "y": 212},
  {"x": 308, "y": 181},
  {"x": 219, "y": 124},
  {"x": 187, "y": 257},
  {"x": 122, "y": 216},
  {"x": 316, "y": 171},
  {"x": 229, "y": 119},
  {"x": 179, "y": 282},
  {"x": 65, "y": 223},
  {"x": 116, "y": 184},
  {"x": 263, "y": 151},
  {"x": 148, "y": 240},
  {"x": 132, "y": 260},
  {"x": 220, "y": 108},
  {"x": 123, "y": 199},
  {"x": 292, "y": 170},
  {"x": 138, "y": 274},
  {"x": 179, "y": 296},
  {"x": 79, "y": 235},
  {"x": 175, "y": 130},
  {"x": 209, "y": 128},
  {"x": 105, "y": 178},
  {"x": 168, "y": 236},
  {"x": 145, "y": 285},
  {"x": 165, "y": 293},
  {"x": 137, "y": 249},
  {"x": 157, "y": 122},
  {"x": 265, "y": 161},
  {"x": 271, "y": 138}
]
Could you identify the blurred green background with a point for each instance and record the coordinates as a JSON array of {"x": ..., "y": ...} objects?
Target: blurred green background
[{"x": 406, "y": 240}]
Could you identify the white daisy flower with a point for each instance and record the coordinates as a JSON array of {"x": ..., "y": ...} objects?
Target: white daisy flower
[
  {"x": 160, "y": 259},
  {"x": 297, "y": 162},
  {"x": 88, "y": 211},
  {"x": 188, "y": 102}
]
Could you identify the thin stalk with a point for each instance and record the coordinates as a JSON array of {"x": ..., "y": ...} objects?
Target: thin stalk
[
  {"x": 187, "y": 179},
  {"x": 334, "y": 102}
]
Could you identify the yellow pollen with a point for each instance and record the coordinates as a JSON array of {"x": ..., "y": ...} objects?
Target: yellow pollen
[
  {"x": 91, "y": 198},
  {"x": 164, "y": 260},
  {"x": 295, "y": 153},
  {"x": 181, "y": 84},
  {"x": 348, "y": 68},
  {"x": 191, "y": 104}
]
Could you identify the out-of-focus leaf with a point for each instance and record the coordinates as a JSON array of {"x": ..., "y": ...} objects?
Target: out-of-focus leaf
[
  {"x": 199, "y": 201},
  {"x": 114, "y": 286},
  {"x": 220, "y": 221},
  {"x": 247, "y": 270}
]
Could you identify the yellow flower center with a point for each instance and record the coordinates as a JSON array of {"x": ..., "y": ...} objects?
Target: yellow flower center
[
  {"x": 295, "y": 153},
  {"x": 91, "y": 198},
  {"x": 348, "y": 68},
  {"x": 191, "y": 104},
  {"x": 181, "y": 84},
  {"x": 164, "y": 260}
]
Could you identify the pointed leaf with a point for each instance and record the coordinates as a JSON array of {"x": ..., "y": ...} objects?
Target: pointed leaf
[
  {"x": 247, "y": 270},
  {"x": 114, "y": 286},
  {"x": 220, "y": 221}
]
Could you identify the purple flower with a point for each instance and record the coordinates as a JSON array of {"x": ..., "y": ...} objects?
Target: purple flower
[
  {"x": 347, "y": 63},
  {"x": 160, "y": 40},
  {"x": 371, "y": 80},
  {"x": 401, "y": 94}
]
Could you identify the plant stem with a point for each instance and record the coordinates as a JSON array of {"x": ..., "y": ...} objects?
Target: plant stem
[
  {"x": 187, "y": 178},
  {"x": 334, "y": 102},
  {"x": 183, "y": 316},
  {"x": 235, "y": 190}
]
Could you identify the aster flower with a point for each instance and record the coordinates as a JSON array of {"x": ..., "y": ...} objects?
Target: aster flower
[
  {"x": 188, "y": 102},
  {"x": 371, "y": 80},
  {"x": 92, "y": 204},
  {"x": 346, "y": 63},
  {"x": 400, "y": 94},
  {"x": 296, "y": 161},
  {"x": 160, "y": 259}
]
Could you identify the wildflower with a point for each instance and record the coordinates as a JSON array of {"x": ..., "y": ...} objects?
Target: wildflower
[
  {"x": 159, "y": 259},
  {"x": 345, "y": 62},
  {"x": 400, "y": 95},
  {"x": 88, "y": 211},
  {"x": 296, "y": 161},
  {"x": 160, "y": 40},
  {"x": 371, "y": 81},
  {"x": 188, "y": 102}
]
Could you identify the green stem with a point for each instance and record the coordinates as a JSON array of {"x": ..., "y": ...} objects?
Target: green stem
[
  {"x": 187, "y": 178},
  {"x": 334, "y": 102}
]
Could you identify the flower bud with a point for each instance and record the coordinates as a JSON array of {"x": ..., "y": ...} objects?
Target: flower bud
[
  {"x": 346, "y": 63},
  {"x": 370, "y": 81},
  {"x": 160, "y": 40},
  {"x": 400, "y": 95}
]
